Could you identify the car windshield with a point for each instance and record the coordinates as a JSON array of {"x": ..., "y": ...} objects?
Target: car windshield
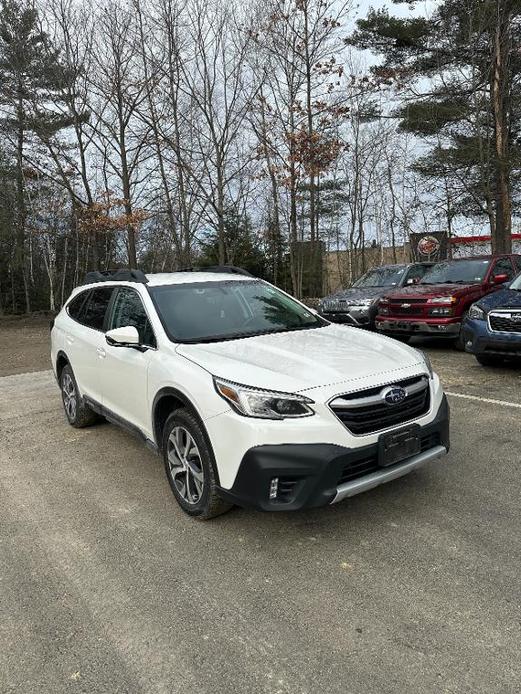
[
  {"x": 381, "y": 277},
  {"x": 457, "y": 272},
  {"x": 224, "y": 310}
]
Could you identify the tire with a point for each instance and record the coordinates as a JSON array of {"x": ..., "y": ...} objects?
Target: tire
[
  {"x": 190, "y": 466},
  {"x": 459, "y": 343},
  {"x": 489, "y": 360},
  {"x": 78, "y": 414}
]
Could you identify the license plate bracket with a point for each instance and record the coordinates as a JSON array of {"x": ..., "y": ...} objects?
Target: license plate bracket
[{"x": 397, "y": 446}]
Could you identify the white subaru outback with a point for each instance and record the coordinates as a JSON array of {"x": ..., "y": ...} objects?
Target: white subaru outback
[{"x": 250, "y": 397}]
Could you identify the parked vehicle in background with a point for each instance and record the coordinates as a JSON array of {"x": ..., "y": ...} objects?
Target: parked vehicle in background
[
  {"x": 249, "y": 396},
  {"x": 492, "y": 329},
  {"x": 357, "y": 305},
  {"x": 438, "y": 305}
]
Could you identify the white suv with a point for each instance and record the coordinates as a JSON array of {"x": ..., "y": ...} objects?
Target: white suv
[{"x": 250, "y": 396}]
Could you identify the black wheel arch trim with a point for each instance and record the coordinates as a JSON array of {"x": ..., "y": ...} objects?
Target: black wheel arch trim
[
  {"x": 182, "y": 397},
  {"x": 61, "y": 355}
]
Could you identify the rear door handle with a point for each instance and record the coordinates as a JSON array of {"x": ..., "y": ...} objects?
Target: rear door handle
[{"x": 101, "y": 353}]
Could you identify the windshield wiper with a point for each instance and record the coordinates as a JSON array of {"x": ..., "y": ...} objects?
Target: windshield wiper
[
  {"x": 239, "y": 336},
  {"x": 448, "y": 282}
]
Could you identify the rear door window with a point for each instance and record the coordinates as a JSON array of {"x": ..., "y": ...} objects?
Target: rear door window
[
  {"x": 96, "y": 308},
  {"x": 75, "y": 307}
]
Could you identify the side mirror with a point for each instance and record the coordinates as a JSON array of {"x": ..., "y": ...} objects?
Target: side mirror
[
  {"x": 127, "y": 336},
  {"x": 500, "y": 279}
]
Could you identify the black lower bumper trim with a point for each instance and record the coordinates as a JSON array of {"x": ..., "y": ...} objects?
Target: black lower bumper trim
[{"x": 309, "y": 474}]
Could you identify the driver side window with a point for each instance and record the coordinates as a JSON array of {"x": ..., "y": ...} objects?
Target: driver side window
[
  {"x": 503, "y": 267},
  {"x": 127, "y": 310}
]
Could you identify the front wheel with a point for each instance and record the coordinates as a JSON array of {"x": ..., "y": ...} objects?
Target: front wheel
[
  {"x": 190, "y": 467},
  {"x": 489, "y": 360}
]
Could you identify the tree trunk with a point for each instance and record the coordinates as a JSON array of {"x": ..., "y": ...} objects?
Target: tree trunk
[
  {"x": 220, "y": 213},
  {"x": 20, "y": 259},
  {"x": 500, "y": 97}
]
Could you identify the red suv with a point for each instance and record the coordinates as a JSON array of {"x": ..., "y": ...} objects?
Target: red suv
[{"x": 438, "y": 304}]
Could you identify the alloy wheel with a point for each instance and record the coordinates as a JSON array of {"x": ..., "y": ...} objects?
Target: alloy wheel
[
  {"x": 69, "y": 396},
  {"x": 185, "y": 465}
]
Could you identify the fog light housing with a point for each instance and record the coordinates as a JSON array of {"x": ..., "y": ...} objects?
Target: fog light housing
[{"x": 274, "y": 487}]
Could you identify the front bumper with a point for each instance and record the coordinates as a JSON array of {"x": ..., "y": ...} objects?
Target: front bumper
[
  {"x": 479, "y": 339},
  {"x": 358, "y": 317},
  {"x": 317, "y": 474},
  {"x": 419, "y": 327}
]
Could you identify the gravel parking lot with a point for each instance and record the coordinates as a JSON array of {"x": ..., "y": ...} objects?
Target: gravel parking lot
[{"x": 105, "y": 586}]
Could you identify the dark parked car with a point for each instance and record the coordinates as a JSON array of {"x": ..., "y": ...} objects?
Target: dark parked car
[
  {"x": 439, "y": 303},
  {"x": 492, "y": 329},
  {"x": 357, "y": 305}
]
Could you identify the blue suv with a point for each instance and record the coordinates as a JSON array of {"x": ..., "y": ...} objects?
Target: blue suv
[{"x": 492, "y": 329}]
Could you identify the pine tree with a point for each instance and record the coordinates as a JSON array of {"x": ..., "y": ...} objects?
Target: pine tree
[
  {"x": 460, "y": 73},
  {"x": 30, "y": 77}
]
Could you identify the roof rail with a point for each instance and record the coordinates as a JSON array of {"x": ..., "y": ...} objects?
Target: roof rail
[
  {"x": 116, "y": 276},
  {"x": 230, "y": 269}
]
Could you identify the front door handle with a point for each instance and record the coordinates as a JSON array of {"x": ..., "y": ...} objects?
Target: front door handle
[
  {"x": 70, "y": 339},
  {"x": 101, "y": 353}
]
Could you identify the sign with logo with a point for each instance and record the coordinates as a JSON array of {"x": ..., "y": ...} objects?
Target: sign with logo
[{"x": 431, "y": 247}]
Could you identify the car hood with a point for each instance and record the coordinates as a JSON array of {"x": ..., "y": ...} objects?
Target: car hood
[
  {"x": 304, "y": 359},
  {"x": 504, "y": 298},
  {"x": 421, "y": 291},
  {"x": 354, "y": 294}
]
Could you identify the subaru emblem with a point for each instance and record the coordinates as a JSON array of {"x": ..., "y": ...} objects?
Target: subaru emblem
[{"x": 394, "y": 395}]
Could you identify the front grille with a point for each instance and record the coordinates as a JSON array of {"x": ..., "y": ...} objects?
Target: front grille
[
  {"x": 366, "y": 466},
  {"x": 413, "y": 309},
  {"x": 408, "y": 301},
  {"x": 505, "y": 322},
  {"x": 366, "y": 412}
]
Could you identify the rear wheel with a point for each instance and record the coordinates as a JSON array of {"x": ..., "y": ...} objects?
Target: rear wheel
[
  {"x": 78, "y": 414},
  {"x": 190, "y": 467}
]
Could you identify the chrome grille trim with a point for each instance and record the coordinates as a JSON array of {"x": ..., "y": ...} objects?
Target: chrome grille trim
[
  {"x": 366, "y": 412},
  {"x": 341, "y": 402},
  {"x": 503, "y": 314}
]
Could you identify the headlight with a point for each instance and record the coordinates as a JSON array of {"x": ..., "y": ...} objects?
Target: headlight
[
  {"x": 427, "y": 361},
  {"x": 266, "y": 404},
  {"x": 476, "y": 312},
  {"x": 443, "y": 300}
]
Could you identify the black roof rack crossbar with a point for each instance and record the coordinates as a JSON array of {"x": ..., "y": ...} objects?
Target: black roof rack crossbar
[
  {"x": 230, "y": 269},
  {"x": 115, "y": 276}
]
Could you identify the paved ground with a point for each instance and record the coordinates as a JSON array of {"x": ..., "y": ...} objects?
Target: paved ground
[
  {"x": 24, "y": 344},
  {"x": 105, "y": 586}
]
